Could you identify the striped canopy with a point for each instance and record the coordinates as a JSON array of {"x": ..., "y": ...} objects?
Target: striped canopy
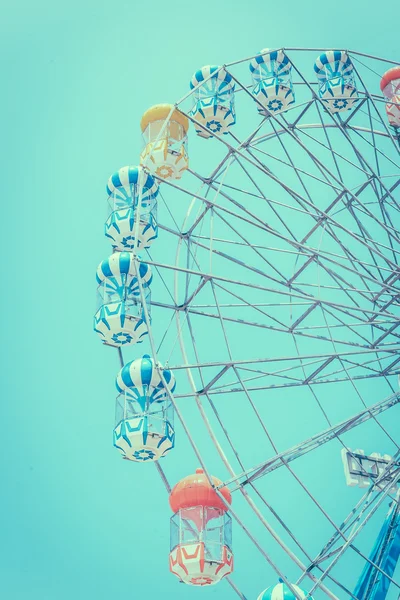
[
  {"x": 275, "y": 62},
  {"x": 333, "y": 63},
  {"x": 141, "y": 378},
  {"x": 220, "y": 81},
  {"x": 122, "y": 181},
  {"x": 121, "y": 263},
  {"x": 282, "y": 592}
]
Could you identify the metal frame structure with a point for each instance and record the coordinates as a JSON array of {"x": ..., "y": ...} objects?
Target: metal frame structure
[
  {"x": 332, "y": 281},
  {"x": 372, "y": 584}
]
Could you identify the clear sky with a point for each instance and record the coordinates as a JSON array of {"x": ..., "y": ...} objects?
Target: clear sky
[{"x": 77, "y": 521}]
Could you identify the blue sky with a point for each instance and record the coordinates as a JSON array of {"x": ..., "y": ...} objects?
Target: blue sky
[{"x": 77, "y": 521}]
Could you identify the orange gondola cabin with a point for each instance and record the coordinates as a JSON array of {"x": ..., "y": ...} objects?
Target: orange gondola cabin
[
  {"x": 201, "y": 531},
  {"x": 390, "y": 87}
]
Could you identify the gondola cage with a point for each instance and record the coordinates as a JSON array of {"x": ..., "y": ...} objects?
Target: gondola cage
[
  {"x": 144, "y": 416},
  {"x": 272, "y": 81},
  {"x": 335, "y": 73},
  {"x": 126, "y": 189},
  {"x": 201, "y": 531},
  {"x": 214, "y": 101},
  {"x": 120, "y": 318}
]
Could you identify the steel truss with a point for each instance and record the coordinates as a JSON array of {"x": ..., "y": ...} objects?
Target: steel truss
[{"x": 295, "y": 235}]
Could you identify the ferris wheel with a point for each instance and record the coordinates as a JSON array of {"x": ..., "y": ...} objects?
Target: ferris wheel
[{"x": 258, "y": 266}]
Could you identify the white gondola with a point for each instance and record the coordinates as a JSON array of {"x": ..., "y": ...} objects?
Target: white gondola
[
  {"x": 272, "y": 82},
  {"x": 214, "y": 97},
  {"x": 144, "y": 415},
  {"x": 120, "y": 318},
  {"x": 125, "y": 189},
  {"x": 337, "y": 88}
]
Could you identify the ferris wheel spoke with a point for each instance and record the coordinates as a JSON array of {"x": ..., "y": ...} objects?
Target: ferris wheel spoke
[
  {"x": 387, "y": 194},
  {"x": 247, "y": 242},
  {"x": 351, "y": 521},
  {"x": 312, "y": 306},
  {"x": 391, "y": 239},
  {"x": 340, "y": 196},
  {"x": 361, "y": 135},
  {"x": 353, "y": 262},
  {"x": 354, "y": 294},
  {"x": 353, "y": 365},
  {"x": 353, "y": 535},
  {"x": 349, "y": 190},
  {"x": 368, "y": 321},
  {"x": 325, "y": 181},
  {"x": 287, "y": 330},
  {"x": 326, "y": 172},
  {"x": 259, "y": 374},
  {"x": 376, "y": 174},
  {"x": 348, "y": 542},
  {"x": 337, "y": 552},
  {"x": 355, "y": 111},
  {"x": 296, "y": 170},
  {"x": 386, "y": 305},
  {"x": 316, "y": 562},
  {"x": 269, "y": 465},
  {"x": 329, "y": 229},
  {"x": 347, "y": 524},
  {"x": 361, "y": 160},
  {"x": 361, "y": 239},
  {"x": 235, "y": 588},
  {"x": 390, "y": 367},
  {"x": 302, "y": 114},
  {"x": 290, "y": 281},
  {"x": 285, "y": 225},
  {"x": 303, "y": 131},
  {"x": 240, "y": 381},
  {"x": 393, "y": 277},
  {"x": 263, "y": 168},
  {"x": 225, "y": 210},
  {"x": 308, "y": 360}
]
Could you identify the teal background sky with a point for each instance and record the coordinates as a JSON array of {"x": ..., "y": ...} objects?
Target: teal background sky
[{"x": 77, "y": 521}]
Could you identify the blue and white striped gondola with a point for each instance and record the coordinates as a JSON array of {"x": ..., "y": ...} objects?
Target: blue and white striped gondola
[
  {"x": 273, "y": 88},
  {"x": 214, "y": 101},
  {"x": 335, "y": 74},
  {"x": 124, "y": 189},
  {"x": 120, "y": 318},
  {"x": 282, "y": 592},
  {"x": 144, "y": 415}
]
